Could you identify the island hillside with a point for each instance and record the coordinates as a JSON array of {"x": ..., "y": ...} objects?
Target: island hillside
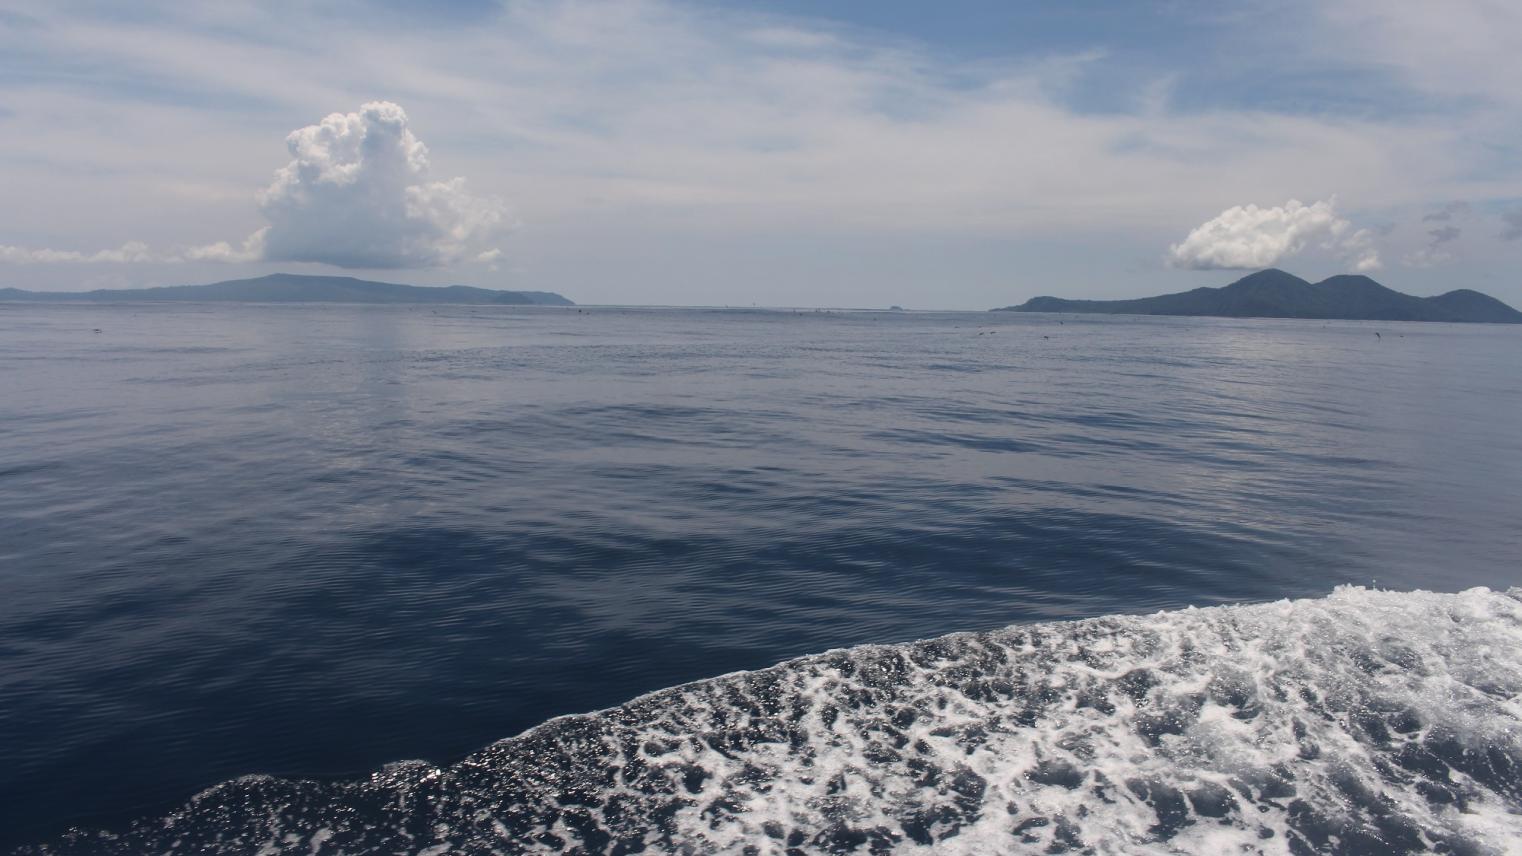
[
  {"x": 297, "y": 288},
  {"x": 1276, "y": 294}
]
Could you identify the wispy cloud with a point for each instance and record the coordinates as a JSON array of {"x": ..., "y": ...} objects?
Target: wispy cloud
[
  {"x": 658, "y": 130},
  {"x": 1512, "y": 221},
  {"x": 664, "y": 108},
  {"x": 1440, "y": 239},
  {"x": 132, "y": 251},
  {"x": 1447, "y": 212},
  {"x": 137, "y": 252},
  {"x": 1436, "y": 250}
]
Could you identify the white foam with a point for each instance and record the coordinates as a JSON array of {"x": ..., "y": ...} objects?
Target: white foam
[{"x": 1363, "y": 722}]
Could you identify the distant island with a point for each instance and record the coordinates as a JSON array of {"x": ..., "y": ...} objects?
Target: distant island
[
  {"x": 1276, "y": 294},
  {"x": 297, "y": 288}
]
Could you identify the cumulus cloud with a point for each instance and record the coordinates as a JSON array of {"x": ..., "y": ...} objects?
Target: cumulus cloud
[
  {"x": 1513, "y": 221},
  {"x": 1248, "y": 237},
  {"x": 356, "y": 195}
]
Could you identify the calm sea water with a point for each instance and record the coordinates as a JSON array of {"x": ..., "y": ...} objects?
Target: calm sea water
[{"x": 310, "y": 540}]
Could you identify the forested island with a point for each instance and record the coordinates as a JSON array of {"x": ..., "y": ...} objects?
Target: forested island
[
  {"x": 298, "y": 288},
  {"x": 1275, "y": 294}
]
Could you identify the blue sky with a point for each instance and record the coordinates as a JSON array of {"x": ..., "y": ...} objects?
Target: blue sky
[{"x": 954, "y": 155}]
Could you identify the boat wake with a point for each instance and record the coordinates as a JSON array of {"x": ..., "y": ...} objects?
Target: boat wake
[{"x": 1363, "y": 722}]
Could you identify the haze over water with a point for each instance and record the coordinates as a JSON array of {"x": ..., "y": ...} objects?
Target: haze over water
[{"x": 310, "y": 540}]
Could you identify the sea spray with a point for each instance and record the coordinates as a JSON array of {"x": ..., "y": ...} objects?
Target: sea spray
[{"x": 1363, "y": 722}]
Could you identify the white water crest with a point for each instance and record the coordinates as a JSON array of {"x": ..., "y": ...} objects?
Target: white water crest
[{"x": 1363, "y": 722}]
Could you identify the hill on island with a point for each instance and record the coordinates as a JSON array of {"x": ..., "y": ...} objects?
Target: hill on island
[
  {"x": 1276, "y": 294},
  {"x": 297, "y": 288}
]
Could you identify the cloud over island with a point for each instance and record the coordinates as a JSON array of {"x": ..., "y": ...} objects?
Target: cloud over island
[
  {"x": 1246, "y": 237},
  {"x": 356, "y": 194}
]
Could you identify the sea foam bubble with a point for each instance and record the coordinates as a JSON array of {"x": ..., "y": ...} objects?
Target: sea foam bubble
[{"x": 1362, "y": 722}]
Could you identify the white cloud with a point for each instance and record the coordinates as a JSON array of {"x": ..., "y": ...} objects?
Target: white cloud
[
  {"x": 357, "y": 195},
  {"x": 1248, "y": 237}
]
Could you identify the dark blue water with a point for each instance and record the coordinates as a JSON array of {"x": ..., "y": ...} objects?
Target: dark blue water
[{"x": 310, "y": 540}]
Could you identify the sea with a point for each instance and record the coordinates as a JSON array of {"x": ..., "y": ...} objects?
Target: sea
[{"x": 323, "y": 579}]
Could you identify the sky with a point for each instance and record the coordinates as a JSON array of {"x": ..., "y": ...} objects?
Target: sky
[{"x": 961, "y": 155}]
